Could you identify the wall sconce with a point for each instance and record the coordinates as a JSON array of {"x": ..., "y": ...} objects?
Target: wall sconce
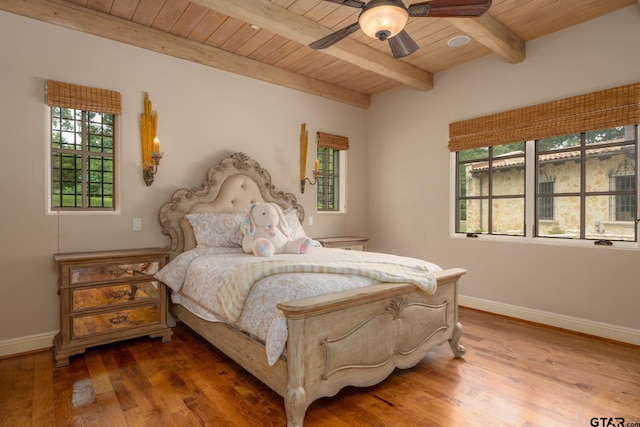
[
  {"x": 304, "y": 142},
  {"x": 156, "y": 155},
  {"x": 151, "y": 154},
  {"x": 315, "y": 177}
]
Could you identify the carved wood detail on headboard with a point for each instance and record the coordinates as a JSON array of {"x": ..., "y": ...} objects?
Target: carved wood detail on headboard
[{"x": 173, "y": 212}]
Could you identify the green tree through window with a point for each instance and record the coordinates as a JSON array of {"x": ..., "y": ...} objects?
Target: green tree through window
[{"x": 82, "y": 159}]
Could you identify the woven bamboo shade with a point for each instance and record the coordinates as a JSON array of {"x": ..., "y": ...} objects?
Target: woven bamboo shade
[
  {"x": 326, "y": 140},
  {"x": 619, "y": 106},
  {"x": 84, "y": 98}
]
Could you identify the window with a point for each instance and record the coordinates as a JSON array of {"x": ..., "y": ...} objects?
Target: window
[
  {"x": 579, "y": 185},
  {"x": 328, "y": 179},
  {"x": 331, "y": 155},
  {"x": 585, "y": 187},
  {"x": 595, "y": 192},
  {"x": 83, "y": 129},
  {"x": 82, "y": 159},
  {"x": 491, "y": 190}
]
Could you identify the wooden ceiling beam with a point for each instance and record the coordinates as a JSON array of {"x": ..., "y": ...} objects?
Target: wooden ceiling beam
[
  {"x": 490, "y": 32},
  {"x": 99, "y": 24},
  {"x": 281, "y": 21}
]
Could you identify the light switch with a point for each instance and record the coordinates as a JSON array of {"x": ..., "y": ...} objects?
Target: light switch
[
  {"x": 310, "y": 220},
  {"x": 137, "y": 224}
]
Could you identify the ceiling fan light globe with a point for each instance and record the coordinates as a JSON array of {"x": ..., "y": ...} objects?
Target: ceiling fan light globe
[{"x": 387, "y": 19}]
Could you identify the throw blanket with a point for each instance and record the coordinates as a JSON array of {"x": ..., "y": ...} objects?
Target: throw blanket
[{"x": 236, "y": 285}]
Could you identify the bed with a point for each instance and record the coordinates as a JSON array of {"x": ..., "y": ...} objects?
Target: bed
[{"x": 353, "y": 337}]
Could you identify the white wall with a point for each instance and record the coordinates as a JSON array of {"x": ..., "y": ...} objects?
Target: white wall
[
  {"x": 204, "y": 115},
  {"x": 408, "y": 131}
]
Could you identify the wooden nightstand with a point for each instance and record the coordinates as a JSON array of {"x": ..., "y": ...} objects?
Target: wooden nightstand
[
  {"x": 109, "y": 296},
  {"x": 345, "y": 242}
]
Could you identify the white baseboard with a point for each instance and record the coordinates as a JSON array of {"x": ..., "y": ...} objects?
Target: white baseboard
[
  {"x": 27, "y": 344},
  {"x": 585, "y": 326}
]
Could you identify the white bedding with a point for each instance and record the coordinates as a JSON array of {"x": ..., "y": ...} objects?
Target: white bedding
[{"x": 191, "y": 276}]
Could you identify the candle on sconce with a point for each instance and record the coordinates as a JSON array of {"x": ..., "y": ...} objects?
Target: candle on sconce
[
  {"x": 156, "y": 145},
  {"x": 317, "y": 166}
]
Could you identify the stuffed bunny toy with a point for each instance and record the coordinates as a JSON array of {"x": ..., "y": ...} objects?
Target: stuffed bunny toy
[{"x": 266, "y": 232}]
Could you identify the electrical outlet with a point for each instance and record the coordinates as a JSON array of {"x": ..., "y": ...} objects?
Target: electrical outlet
[{"x": 137, "y": 224}]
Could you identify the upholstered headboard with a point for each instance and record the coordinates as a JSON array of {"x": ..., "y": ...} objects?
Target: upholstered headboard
[{"x": 231, "y": 186}]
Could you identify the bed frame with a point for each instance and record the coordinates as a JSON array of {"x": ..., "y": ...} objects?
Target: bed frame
[{"x": 356, "y": 337}]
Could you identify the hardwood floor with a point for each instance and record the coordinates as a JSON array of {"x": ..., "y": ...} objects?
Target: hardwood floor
[{"x": 514, "y": 374}]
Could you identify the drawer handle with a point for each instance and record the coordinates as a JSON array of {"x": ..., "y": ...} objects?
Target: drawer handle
[
  {"x": 121, "y": 293},
  {"x": 116, "y": 271},
  {"x": 118, "y": 319}
]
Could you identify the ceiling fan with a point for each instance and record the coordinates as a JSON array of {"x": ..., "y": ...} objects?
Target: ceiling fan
[{"x": 385, "y": 20}]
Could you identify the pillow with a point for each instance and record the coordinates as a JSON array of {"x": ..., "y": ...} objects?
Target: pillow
[
  {"x": 295, "y": 227},
  {"x": 217, "y": 230}
]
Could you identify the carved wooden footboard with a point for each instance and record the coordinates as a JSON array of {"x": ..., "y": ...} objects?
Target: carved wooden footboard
[{"x": 359, "y": 337}]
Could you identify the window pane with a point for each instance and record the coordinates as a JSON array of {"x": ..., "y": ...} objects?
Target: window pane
[
  {"x": 477, "y": 217},
  {"x": 566, "y": 221},
  {"x": 100, "y": 181},
  {"x": 559, "y": 142},
  {"x": 66, "y": 128},
  {"x": 476, "y": 153},
  {"x": 465, "y": 181},
  {"x": 616, "y": 134},
  {"x": 605, "y": 164},
  {"x": 599, "y": 225},
  {"x": 66, "y": 180},
  {"x": 475, "y": 183},
  {"x": 508, "y": 177},
  {"x": 508, "y": 149},
  {"x": 508, "y": 216},
  {"x": 461, "y": 227},
  {"x": 100, "y": 133},
  {"x": 563, "y": 168}
]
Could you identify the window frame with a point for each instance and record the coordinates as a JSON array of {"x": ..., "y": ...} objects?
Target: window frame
[
  {"x": 492, "y": 196},
  {"x": 89, "y": 99},
  {"x": 338, "y": 175},
  {"x": 531, "y": 205},
  {"x": 84, "y": 153}
]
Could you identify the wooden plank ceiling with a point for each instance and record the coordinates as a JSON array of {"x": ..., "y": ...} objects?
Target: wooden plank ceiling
[{"x": 267, "y": 39}]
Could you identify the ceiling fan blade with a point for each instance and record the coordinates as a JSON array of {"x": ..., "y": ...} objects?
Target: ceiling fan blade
[
  {"x": 333, "y": 38},
  {"x": 449, "y": 8},
  {"x": 353, "y": 3},
  {"x": 402, "y": 45}
]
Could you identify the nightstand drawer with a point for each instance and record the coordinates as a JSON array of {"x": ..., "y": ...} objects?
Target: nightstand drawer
[
  {"x": 110, "y": 272},
  {"x": 345, "y": 242},
  {"x": 110, "y": 295},
  {"x": 83, "y": 326},
  {"x": 359, "y": 247}
]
